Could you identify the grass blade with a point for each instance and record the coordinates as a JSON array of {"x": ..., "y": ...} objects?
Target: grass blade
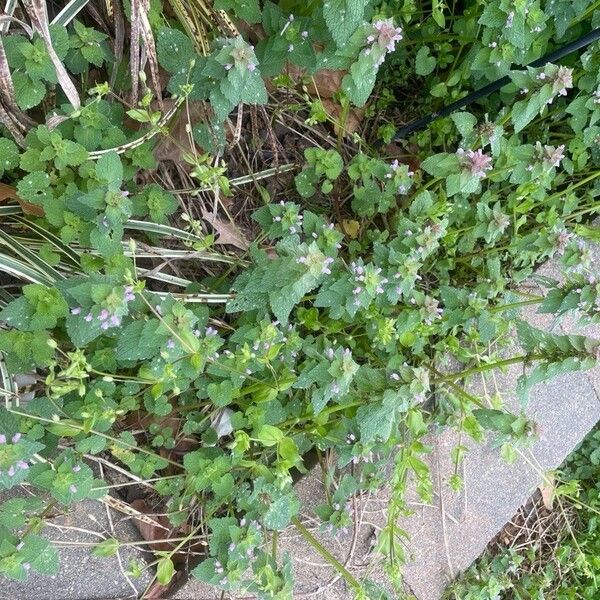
[
  {"x": 20, "y": 270},
  {"x": 69, "y": 12}
]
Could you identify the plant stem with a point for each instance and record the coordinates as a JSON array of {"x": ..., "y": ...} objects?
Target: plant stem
[
  {"x": 332, "y": 560},
  {"x": 488, "y": 367},
  {"x": 501, "y": 307}
]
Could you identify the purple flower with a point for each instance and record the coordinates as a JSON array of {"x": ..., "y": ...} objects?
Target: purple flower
[
  {"x": 75, "y": 311},
  {"x": 105, "y": 325},
  {"x": 76, "y": 468},
  {"x": 2, "y": 438},
  {"x": 387, "y": 34},
  {"x": 170, "y": 344},
  {"x": 251, "y": 67},
  {"x": 16, "y": 438},
  {"x": 22, "y": 465},
  {"x": 562, "y": 81},
  {"x": 326, "y": 270},
  {"x": 475, "y": 161},
  {"x": 304, "y": 35},
  {"x": 211, "y": 331},
  {"x": 104, "y": 314},
  {"x": 11, "y": 471},
  {"x": 115, "y": 321},
  {"x": 73, "y": 488},
  {"x": 88, "y": 317}
]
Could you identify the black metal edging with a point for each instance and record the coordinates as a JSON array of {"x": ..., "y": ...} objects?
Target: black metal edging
[{"x": 555, "y": 55}]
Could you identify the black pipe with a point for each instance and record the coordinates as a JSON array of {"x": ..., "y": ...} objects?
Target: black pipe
[{"x": 583, "y": 41}]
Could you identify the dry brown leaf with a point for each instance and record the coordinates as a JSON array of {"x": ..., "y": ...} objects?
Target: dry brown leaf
[
  {"x": 228, "y": 233},
  {"x": 8, "y": 192},
  {"x": 353, "y": 120},
  {"x": 150, "y": 531},
  {"x": 178, "y": 141},
  {"x": 547, "y": 490}
]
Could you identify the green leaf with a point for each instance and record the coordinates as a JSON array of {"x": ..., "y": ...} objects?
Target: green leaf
[
  {"x": 165, "y": 571},
  {"x": 108, "y": 547},
  {"x": 175, "y": 50},
  {"x": 281, "y": 511},
  {"x": 9, "y": 156},
  {"x": 441, "y": 165},
  {"x": 342, "y": 17},
  {"x": 465, "y": 122},
  {"x": 359, "y": 83},
  {"x": 220, "y": 393},
  {"x": 40, "y": 554},
  {"x": 248, "y": 10},
  {"x": 160, "y": 204},
  {"x": 495, "y": 420},
  {"x": 109, "y": 168},
  {"x": 269, "y": 435},
  {"x": 140, "y": 340},
  {"x": 25, "y": 350},
  {"x": 424, "y": 62},
  {"x": 35, "y": 188},
  {"x": 47, "y": 305}
]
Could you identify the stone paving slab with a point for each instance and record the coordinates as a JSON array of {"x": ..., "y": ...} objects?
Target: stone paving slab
[{"x": 83, "y": 576}]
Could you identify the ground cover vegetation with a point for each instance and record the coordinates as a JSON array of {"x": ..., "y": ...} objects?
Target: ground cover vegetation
[
  {"x": 219, "y": 267},
  {"x": 551, "y": 548}
]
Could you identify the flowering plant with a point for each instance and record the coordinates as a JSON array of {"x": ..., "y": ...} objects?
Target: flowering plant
[{"x": 329, "y": 333}]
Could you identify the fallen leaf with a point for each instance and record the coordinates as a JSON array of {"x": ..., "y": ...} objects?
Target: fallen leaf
[
  {"x": 8, "y": 192},
  {"x": 547, "y": 490},
  {"x": 353, "y": 119},
  {"x": 179, "y": 141},
  {"x": 152, "y": 531},
  {"x": 228, "y": 233}
]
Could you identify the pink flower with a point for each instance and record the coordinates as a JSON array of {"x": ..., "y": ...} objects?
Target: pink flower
[
  {"x": 16, "y": 438},
  {"x": 476, "y": 161},
  {"x": 386, "y": 34}
]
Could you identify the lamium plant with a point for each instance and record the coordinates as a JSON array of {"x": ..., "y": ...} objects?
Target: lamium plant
[{"x": 284, "y": 285}]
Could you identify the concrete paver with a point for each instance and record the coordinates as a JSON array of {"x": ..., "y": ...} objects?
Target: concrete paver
[{"x": 83, "y": 576}]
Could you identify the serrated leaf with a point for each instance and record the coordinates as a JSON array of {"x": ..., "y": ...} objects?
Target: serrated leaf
[
  {"x": 359, "y": 83},
  {"x": 248, "y": 10},
  {"x": 342, "y": 17},
  {"x": 140, "y": 340},
  {"x": 281, "y": 511},
  {"x": 175, "y": 50}
]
